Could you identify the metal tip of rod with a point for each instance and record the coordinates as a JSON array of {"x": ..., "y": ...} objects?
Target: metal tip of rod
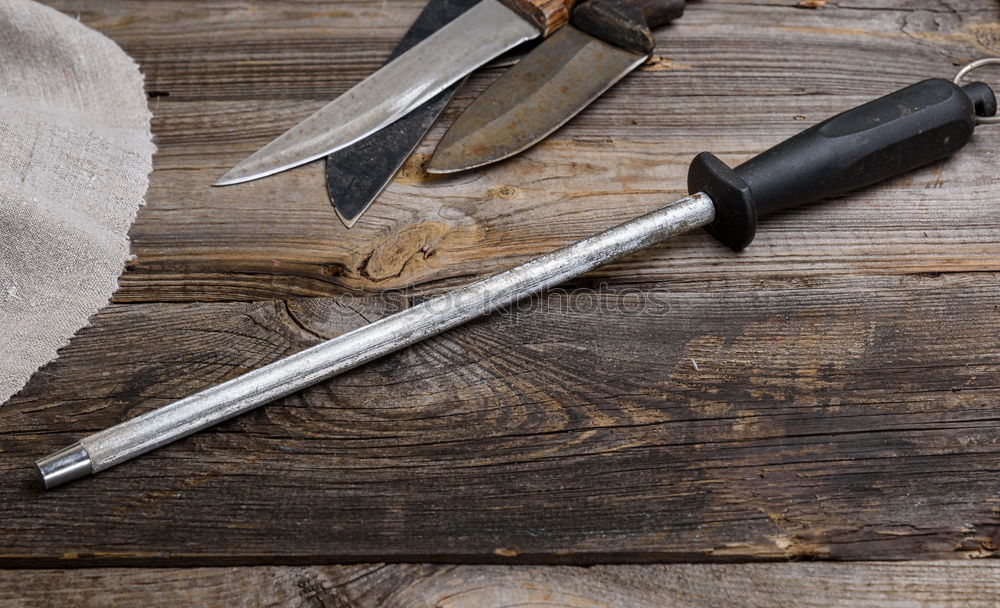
[{"x": 65, "y": 465}]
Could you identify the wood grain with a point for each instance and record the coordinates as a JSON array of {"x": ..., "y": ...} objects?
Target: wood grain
[
  {"x": 875, "y": 585},
  {"x": 602, "y": 423},
  {"x": 829, "y": 394}
]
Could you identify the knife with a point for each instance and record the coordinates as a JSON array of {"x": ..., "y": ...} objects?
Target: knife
[
  {"x": 357, "y": 174},
  {"x": 606, "y": 39},
  {"x": 482, "y": 33}
]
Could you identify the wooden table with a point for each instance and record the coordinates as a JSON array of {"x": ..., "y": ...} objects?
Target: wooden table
[{"x": 829, "y": 394}]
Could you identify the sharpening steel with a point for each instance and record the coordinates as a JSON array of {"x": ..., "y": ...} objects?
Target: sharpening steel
[{"x": 902, "y": 131}]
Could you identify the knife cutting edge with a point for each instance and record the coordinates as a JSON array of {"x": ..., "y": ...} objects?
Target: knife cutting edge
[
  {"x": 904, "y": 130},
  {"x": 482, "y": 33},
  {"x": 604, "y": 42}
]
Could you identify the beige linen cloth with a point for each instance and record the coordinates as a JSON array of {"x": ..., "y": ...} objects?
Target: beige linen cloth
[{"x": 75, "y": 155}]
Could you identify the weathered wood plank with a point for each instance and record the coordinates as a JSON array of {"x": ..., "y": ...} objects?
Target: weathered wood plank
[
  {"x": 831, "y": 419},
  {"x": 230, "y": 77},
  {"x": 875, "y": 585},
  {"x": 828, "y": 394},
  {"x": 909, "y": 225}
]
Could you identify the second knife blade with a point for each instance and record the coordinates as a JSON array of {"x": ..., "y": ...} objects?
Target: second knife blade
[
  {"x": 357, "y": 174},
  {"x": 605, "y": 41}
]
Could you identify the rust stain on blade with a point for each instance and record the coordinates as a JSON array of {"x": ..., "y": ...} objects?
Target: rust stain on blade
[{"x": 540, "y": 94}]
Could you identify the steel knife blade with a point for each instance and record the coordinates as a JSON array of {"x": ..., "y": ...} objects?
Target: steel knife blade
[
  {"x": 482, "y": 33},
  {"x": 357, "y": 175},
  {"x": 606, "y": 39}
]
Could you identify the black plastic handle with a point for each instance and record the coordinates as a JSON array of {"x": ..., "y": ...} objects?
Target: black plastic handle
[{"x": 883, "y": 138}]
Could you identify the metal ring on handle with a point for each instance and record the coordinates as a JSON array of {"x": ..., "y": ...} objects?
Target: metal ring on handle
[{"x": 982, "y": 120}]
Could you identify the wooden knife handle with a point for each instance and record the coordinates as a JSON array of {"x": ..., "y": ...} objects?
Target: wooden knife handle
[
  {"x": 658, "y": 12},
  {"x": 548, "y": 15},
  {"x": 626, "y": 23}
]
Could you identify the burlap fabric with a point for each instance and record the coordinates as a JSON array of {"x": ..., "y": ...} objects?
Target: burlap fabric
[{"x": 75, "y": 155}]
